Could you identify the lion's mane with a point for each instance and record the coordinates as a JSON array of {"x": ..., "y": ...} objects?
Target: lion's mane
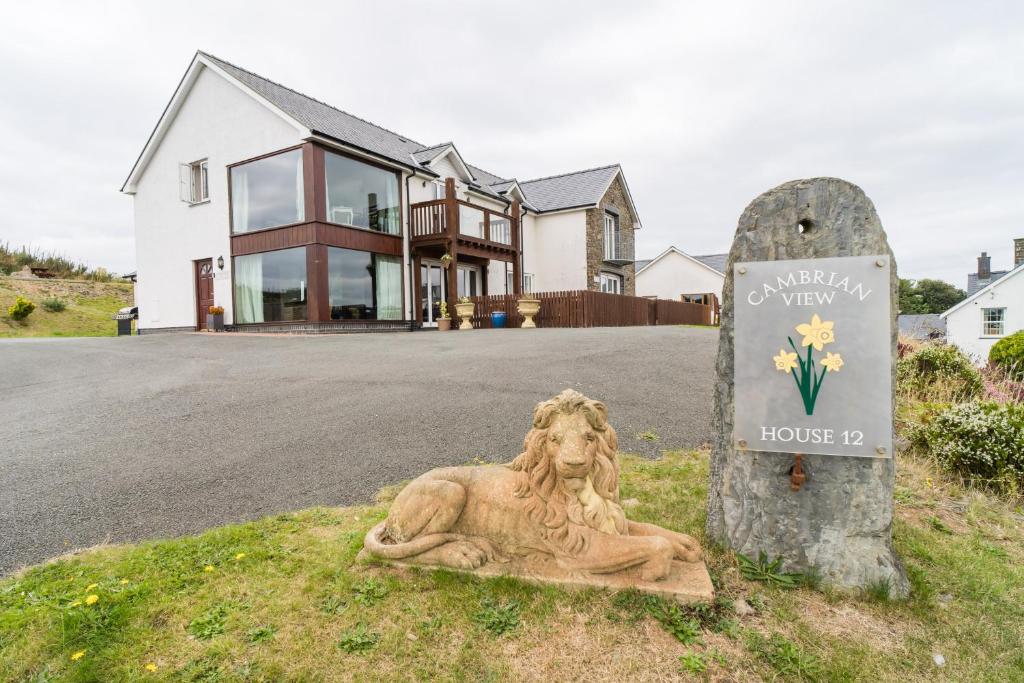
[{"x": 558, "y": 511}]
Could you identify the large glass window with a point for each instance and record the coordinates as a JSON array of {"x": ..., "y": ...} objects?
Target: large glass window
[
  {"x": 271, "y": 286},
  {"x": 267, "y": 192},
  {"x": 364, "y": 286},
  {"x": 361, "y": 195}
]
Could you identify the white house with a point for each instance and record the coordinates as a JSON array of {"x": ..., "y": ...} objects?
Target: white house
[
  {"x": 991, "y": 312},
  {"x": 294, "y": 215},
  {"x": 674, "y": 273}
]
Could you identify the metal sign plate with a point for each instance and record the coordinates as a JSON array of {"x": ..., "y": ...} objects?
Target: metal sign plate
[{"x": 813, "y": 356}]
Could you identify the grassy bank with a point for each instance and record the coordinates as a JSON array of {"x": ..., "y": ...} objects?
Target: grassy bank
[
  {"x": 284, "y": 599},
  {"x": 88, "y": 307}
]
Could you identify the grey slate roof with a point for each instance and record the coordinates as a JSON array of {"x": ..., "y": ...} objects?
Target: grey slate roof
[
  {"x": 974, "y": 284},
  {"x": 641, "y": 264},
  {"x": 325, "y": 119},
  {"x": 716, "y": 261},
  {"x": 581, "y": 188},
  {"x": 922, "y": 326}
]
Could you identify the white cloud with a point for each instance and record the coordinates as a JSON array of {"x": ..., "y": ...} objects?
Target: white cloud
[{"x": 705, "y": 106}]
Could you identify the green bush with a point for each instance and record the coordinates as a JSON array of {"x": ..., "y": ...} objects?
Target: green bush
[
  {"x": 939, "y": 371},
  {"x": 21, "y": 309},
  {"x": 1008, "y": 354},
  {"x": 982, "y": 441},
  {"x": 54, "y": 305}
]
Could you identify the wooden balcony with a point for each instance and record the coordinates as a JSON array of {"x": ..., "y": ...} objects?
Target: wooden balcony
[{"x": 455, "y": 228}]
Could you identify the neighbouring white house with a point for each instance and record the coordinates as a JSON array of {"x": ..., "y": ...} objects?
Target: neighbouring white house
[
  {"x": 294, "y": 215},
  {"x": 673, "y": 274},
  {"x": 992, "y": 311}
]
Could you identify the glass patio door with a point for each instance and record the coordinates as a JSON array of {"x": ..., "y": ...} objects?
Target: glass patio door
[{"x": 433, "y": 290}]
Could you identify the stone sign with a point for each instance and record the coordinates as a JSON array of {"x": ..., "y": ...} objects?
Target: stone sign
[
  {"x": 838, "y": 522},
  {"x": 813, "y": 358},
  {"x": 552, "y": 515}
]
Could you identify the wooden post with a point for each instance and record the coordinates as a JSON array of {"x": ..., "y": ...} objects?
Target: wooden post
[
  {"x": 417, "y": 288},
  {"x": 517, "y": 256}
]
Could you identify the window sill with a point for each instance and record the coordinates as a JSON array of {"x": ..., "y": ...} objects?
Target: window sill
[
  {"x": 205, "y": 201},
  {"x": 992, "y": 336}
]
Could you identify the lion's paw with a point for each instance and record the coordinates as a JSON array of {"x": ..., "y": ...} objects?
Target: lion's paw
[{"x": 464, "y": 555}]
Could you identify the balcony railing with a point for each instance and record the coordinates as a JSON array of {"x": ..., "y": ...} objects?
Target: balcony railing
[{"x": 453, "y": 216}]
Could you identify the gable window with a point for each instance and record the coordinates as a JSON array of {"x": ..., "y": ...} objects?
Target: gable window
[
  {"x": 267, "y": 192},
  {"x": 611, "y": 236},
  {"x": 193, "y": 182},
  {"x": 611, "y": 283},
  {"x": 992, "y": 320},
  {"x": 361, "y": 195}
]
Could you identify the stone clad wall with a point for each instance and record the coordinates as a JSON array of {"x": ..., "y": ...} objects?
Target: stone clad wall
[{"x": 615, "y": 200}]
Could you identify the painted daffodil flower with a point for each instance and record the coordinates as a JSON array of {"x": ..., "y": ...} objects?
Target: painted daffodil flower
[
  {"x": 832, "y": 361},
  {"x": 785, "y": 362},
  {"x": 78, "y": 655},
  {"x": 92, "y": 599},
  {"x": 817, "y": 333}
]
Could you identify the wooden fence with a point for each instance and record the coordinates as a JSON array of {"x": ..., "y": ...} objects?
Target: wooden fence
[{"x": 592, "y": 309}]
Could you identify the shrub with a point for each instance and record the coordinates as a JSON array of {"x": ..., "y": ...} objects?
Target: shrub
[
  {"x": 1008, "y": 355},
  {"x": 982, "y": 441},
  {"x": 21, "y": 308},
  {"x": 54, "y": 305},
  {"x": 939, "y": 371}
]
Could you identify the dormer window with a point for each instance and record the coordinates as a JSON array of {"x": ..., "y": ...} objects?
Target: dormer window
[{"x": 194, "y": 182}]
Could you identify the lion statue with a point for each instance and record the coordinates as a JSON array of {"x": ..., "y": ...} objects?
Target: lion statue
[{"x": 558, "y": 500}]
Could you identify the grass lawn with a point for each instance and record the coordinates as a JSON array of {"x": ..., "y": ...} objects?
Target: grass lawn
[
  {"x": 89, "y": 306},
  {"x": 283, "y": 599}
]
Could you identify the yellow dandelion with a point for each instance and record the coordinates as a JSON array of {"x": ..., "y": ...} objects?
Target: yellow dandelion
[
  {"x": 208, "y": 568},
  {"x": 239, "y": 556},
  {"x": 91, "y": 586},
  {"x": 832, "y": 361},
  {"x": 123, "y": 582},
  {"x": 92, "y": 599},
  {"x": 785, "y": 362},
  {"x": 817, "y": 333},
  {"x": 78, "y": 655},
  {"x": 151, "y": 667}
]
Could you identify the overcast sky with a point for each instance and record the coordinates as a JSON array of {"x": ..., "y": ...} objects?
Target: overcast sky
[{"x": 705, "y": 107}]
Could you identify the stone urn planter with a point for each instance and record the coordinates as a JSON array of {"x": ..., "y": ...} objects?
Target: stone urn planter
[
  {"x": 464, "y": 309},
  {"x": 215, "y": 319},
  {"x": 528, "y": 308}
]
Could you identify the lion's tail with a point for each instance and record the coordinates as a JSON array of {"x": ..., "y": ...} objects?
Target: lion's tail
[{"x": 398, "y": 551}]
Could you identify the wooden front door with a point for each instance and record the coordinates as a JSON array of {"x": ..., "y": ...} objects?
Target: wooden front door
[{"x": 204, "y": 291}]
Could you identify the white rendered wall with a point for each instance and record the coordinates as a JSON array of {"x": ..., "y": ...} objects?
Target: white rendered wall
[
  {"x": 224, "y": 125},
  {"x": 963, "y": 326},
  {"x": 674, "y": 275},
  {"x": 555, "y": 251}
]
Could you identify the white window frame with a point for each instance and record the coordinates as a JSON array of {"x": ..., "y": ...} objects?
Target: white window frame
[
  {"x": 610, "y": 283},
  {"x": 611, "y": 236},
  {"x": 194, "y": 182},
  {"x": 993, "y": 319},
  {"x": 527, "y": 283},
  {"x": 438, "y": 189}
]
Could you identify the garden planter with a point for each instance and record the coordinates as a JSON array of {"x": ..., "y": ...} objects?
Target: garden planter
[
  {"x": 498, "y": 319},
  {"x": 444, "y": 324},
  {"x": 465, "y": 312},
  {"x": 528, "y": 308},
  {"x": 215, "y": 322}
]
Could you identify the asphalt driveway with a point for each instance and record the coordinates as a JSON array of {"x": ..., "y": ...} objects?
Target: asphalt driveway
[{"x": 119, "y": 439}]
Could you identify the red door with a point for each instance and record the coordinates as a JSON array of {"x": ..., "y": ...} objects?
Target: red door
[{"x": 204, "y": 291}]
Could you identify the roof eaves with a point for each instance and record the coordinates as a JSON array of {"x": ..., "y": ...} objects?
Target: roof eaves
[{"x": 1016, "y": 271}]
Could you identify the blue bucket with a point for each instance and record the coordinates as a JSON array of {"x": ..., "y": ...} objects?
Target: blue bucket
[{"x": 498, "y": 319}]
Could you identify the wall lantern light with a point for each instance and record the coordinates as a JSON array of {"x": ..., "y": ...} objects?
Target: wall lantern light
[{"x": 220, "y": 262}]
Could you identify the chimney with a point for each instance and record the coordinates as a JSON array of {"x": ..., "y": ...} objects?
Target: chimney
[
  {"x": 984, "y": 266},
  {"x": 1018, "y": 251}
]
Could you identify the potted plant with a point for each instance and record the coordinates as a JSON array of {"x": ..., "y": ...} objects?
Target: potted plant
[
  {"x": 528, "y": 308},
  {"x": 215, "y": 319},
  {"x": 444, "y": 323},
  {"x": 465, "y": 310},
  {"x": 446, "y": 259}
]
